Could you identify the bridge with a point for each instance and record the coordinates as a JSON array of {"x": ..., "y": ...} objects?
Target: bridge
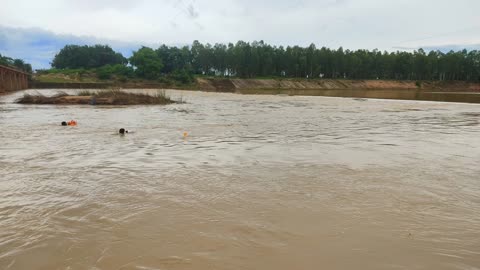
[{"x": 12, "y": 79}]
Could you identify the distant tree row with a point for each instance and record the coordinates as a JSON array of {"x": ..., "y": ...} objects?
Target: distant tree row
[
  {"x": 257, "y": 59},
  {"x": 262, "y": 60},
  {"x": 15, "y": 63}
]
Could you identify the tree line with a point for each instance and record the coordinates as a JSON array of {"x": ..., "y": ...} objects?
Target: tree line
[
  {"x": 258, "y": 59},
  {"x": 15, "y": 63}
]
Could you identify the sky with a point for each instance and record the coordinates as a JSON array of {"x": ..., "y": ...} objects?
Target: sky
[{"x": 37, "y": 30}]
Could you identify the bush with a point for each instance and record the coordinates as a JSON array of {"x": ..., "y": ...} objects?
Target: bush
[
  {"x": 165, "y": 80},
  {"x": 122, "y": 79},
  {"x": 183, "y": 76},
  {"x": 105, "y": 72},
  {"x": 122, "y": 70}
]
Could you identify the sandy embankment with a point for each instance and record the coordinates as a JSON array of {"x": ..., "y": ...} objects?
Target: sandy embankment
[{"x": 233, "y": 85}]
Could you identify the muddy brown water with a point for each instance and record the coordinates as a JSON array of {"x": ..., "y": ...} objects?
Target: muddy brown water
[
  {"x": 444, "y": 95},
  {"x": 261, "y": 182}
]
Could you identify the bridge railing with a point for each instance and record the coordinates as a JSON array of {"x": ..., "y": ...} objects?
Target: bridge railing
[{"x": 12, "y": 79}]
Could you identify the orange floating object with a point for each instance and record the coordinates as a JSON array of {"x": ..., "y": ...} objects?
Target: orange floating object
[
  {"x": 72, "y": 123},
  {"x": 185, "y": 134}
]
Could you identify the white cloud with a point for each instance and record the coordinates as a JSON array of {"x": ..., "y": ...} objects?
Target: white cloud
[
  {"x": 38, "y": 47},
  {"x": 353, "y": 24}
]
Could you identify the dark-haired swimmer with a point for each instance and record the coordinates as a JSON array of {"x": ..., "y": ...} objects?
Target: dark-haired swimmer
[{"x": 124, "y": 131}]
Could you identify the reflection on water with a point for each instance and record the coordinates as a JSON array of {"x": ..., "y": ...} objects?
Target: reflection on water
[{"x": 261, "y": 182}]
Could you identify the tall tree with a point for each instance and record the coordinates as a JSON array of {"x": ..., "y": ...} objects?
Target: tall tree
[
  {"x": 147, "y": 62},
  {"x": 74, "y": 56}
]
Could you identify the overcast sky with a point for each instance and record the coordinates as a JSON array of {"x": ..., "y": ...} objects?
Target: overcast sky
[{"x": 28, "y": 27}]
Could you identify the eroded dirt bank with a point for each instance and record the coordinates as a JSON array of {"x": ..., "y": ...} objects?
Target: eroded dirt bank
[
  {"x": 380, "y": 89},
  {"x": 232, "y": 85}
]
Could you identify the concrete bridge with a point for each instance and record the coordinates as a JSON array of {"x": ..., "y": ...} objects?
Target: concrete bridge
[{"x": 12, "y": 79}]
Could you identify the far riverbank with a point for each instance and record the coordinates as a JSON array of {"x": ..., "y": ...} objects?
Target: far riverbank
[{"x": 445, "y": 91}]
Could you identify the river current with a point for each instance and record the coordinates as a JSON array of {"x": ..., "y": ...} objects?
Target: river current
[{"x": 259, "y": 182}]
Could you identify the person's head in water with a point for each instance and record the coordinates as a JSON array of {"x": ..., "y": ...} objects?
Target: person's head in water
[
  {"x": 123, "y": 131},
  {"x": 64, "y": 123}
]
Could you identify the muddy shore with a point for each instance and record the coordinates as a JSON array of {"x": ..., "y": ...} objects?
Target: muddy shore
[{"x": 107, "y": 97}]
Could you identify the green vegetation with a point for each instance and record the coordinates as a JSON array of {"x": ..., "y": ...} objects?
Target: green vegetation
[
  {"x": 73, "y": 57},
  {"x": 174, "y": 65},
  {"x": 15, "y": 63},
  {"x": 121, "y": 72},
  {"x": 66, "y": 75},
  {"x": 149, "y": 65},
  {"x": 108, "y": 97}
]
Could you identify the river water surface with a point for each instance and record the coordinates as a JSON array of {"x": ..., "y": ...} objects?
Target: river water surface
[{"x": 260, "y": 182}]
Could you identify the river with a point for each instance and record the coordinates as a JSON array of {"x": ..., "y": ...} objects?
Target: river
[{"x": 260, "y": 182}]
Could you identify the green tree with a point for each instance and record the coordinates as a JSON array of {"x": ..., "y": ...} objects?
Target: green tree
[
  {"x": 15, "y": 63},
  {"x": 147, "y": 63},
  {"x": 74, "y": 57}
]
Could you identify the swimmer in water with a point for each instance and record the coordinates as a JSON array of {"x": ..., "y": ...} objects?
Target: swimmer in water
[
  {"x": 123, "y": 131},
  {"x": 69, "y": 123}
]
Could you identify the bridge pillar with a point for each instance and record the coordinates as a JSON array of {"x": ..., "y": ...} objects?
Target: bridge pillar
[
  {"x": 2, "y": 80},
  {"x": 25, "y": 81},
  {"x": 10, "y": 81}
]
